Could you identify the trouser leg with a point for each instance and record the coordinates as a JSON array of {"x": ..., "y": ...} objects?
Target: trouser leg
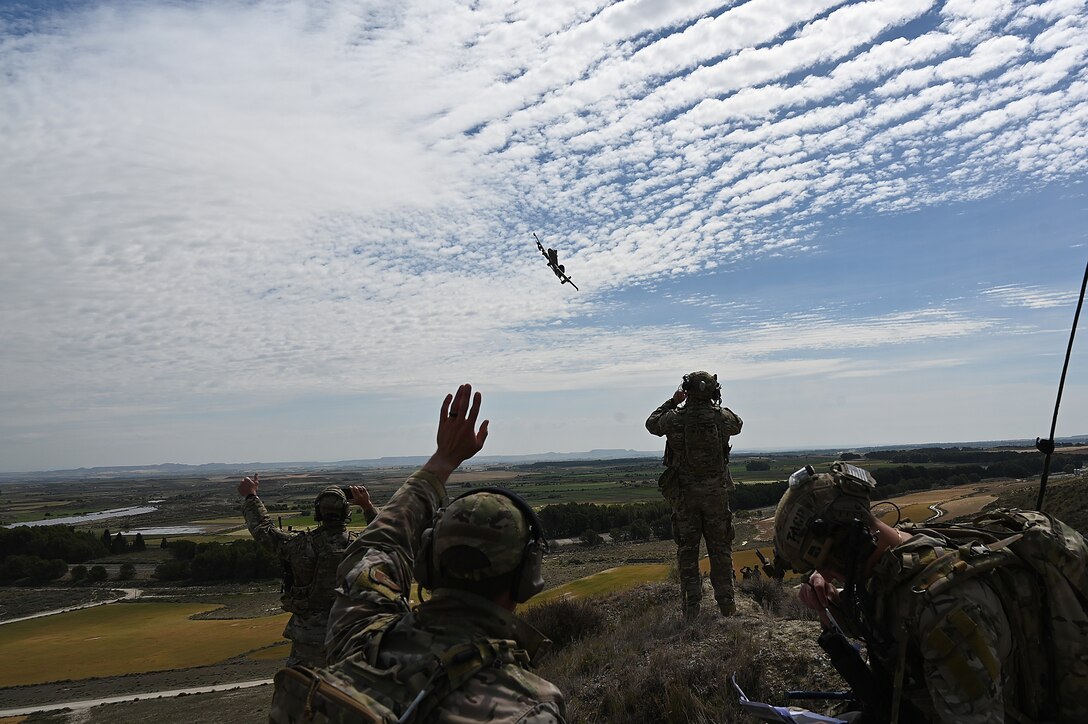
[
  {"x": 687, "y": 535},
  {"x": 719, "y": 533}
]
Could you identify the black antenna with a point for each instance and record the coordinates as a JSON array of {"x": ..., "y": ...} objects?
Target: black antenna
[{"x": 1047, "y": 446}]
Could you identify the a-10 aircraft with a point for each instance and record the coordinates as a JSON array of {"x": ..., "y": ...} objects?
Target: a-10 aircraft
[{"x": 553, "y": 263}]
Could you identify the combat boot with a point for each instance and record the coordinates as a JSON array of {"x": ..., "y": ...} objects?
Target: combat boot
[
  {"x": 727, "y": 606},
  {"x": 690, "y": 603}
]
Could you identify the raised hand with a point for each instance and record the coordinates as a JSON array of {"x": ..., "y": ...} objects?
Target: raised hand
[
  {"x": 458, "y": 439},
  {"x": 249, "y": 485}
]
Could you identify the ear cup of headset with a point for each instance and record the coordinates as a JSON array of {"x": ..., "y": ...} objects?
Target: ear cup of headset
[
  {"x": 422, "y": 569},
  {"x": 531, "y": 578}
]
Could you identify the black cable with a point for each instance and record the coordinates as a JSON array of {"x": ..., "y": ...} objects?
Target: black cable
[{"x": 1047, "y": 446}]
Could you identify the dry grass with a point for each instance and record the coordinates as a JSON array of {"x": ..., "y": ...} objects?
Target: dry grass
[
  {"x": 647, "y": 664},
  {"x": 125, "y": 639}
]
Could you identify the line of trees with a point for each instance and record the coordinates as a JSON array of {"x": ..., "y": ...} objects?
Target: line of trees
[
  {"x": 42, "y": 553},
  {"x": 568, "y": 520},
  {"x": 119, "y": 544},
  {"x": 974, "y": 456},
  {"x": 51, "y": 541},
  {"x": 242, "y": 560}
]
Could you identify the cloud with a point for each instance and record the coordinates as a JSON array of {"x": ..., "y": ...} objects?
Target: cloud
[
  {"x": 238, "y": 199},
  {"x": 1030, "y": 296}
]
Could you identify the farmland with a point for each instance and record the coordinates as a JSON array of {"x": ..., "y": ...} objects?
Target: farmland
[{"x": 177, "y": 634}]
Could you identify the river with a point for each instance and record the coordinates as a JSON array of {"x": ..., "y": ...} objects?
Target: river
[{"x": 89, "y": 517}]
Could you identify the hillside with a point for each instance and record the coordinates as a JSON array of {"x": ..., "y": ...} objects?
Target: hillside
[
  {"x": 632, "y": 658},
  {"x": 1065, "y": 500}
]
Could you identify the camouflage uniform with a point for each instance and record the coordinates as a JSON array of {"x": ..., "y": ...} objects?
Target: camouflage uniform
[
  {"x": 981, "y": 622},
  {"x": 374, "y": 639},
  {"x": 697, "y": 485},
  {"x": 311, "y": 559}
]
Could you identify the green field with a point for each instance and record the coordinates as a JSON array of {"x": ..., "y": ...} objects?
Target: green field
[
  {"x": 613, "y": 580},
  {"x": 125, "y": 639}
]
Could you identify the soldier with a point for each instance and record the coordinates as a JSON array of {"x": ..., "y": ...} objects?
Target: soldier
[
  {"x": 309, "y": 562},
  {"x": 972, "y": 623},
  {"x": 696, "y": 483},
  {"x": 460, "y": 656}
]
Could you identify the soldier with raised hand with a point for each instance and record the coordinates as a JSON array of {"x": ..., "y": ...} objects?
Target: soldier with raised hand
[
  {"x": 976, "y": 623},
  {"x": 309, "y": 561},
  {"x": 461, "y": 655},
  {"x": 697, "y": 483}
]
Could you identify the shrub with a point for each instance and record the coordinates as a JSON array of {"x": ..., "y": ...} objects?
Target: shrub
[
  {"x": 777, "y": 599},
  {"x": 566, "y": 620},
  {"x": 97, "y": 574},
  {"x": 48, "y": 570},
  {"x": 172, "y": 570},
  {"x": 640, "y": 529},
  {"x": 182, "y": 550},
  {"x": 79, "y": 574},
  {"x": 590, "y": 537},
  {"x": 17, "y": 567},
  {"x": 127, "y": 572}
]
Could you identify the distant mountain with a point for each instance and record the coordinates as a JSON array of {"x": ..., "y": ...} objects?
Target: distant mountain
[
  {"x": 216, "y": 469},
  {"x": 210, "y": 469}
]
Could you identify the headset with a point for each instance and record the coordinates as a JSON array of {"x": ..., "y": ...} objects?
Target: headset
[
  {"x": 529, "y": 578},
  {"x": 345, "y": 506},
  {"x": 689, "y": 385}
]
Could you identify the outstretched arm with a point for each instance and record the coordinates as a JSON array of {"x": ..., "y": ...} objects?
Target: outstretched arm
[
  {"x": 376, "y": 574},
  {"x": 259, "y": 522}
]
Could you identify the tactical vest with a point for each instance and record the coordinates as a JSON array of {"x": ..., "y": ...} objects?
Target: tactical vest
[
  {"x": 402, "y": 675},
  {"x": 1037, "y": 565},
  {"x": 310, "y": 570},
  {"x": 705, "y": 453}
]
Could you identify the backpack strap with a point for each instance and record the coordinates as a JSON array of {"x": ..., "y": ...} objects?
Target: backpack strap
[{"x": 456, "y": 665}]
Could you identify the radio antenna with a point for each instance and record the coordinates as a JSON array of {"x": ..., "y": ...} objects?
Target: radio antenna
[{"x": 1047, "y": 446}]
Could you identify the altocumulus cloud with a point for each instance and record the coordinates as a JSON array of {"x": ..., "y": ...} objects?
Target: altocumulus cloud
[{"x": 288, "y": 197}]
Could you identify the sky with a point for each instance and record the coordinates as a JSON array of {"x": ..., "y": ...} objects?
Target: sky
[{"x": 275, "y": 231}]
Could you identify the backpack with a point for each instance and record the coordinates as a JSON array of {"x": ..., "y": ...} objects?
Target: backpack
[
  {"x": 1048, "y": 615},
  {"x": 309, "y": 571},
  {"x": 357, "y": 690},
  {"x": 705, "y": 452}
]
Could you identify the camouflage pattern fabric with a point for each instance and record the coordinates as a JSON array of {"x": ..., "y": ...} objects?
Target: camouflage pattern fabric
[
  {"x": 697, "y": 485},
  {"x": 488, "y": 524},
  {"x": 701, "y": 511},
  {"x": 312, "y": 558},
  {"x": 381, "y": 651},
  {"x": 978, "y": 650}
]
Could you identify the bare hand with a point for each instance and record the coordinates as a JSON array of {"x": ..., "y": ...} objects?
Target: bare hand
[
  {"x": 458, "y": 440},
  {"x": 818, "y": 593},
  {"x": 361, "y": 497},
  {"x": 248, "y": 486},
  {"x": 679, "y": 396}
]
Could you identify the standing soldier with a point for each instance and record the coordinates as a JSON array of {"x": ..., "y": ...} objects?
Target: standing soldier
[
  {"x": 309, "y": 562},
  {"x": 696, "y": 483}
]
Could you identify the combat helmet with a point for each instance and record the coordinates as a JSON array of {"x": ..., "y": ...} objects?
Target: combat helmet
[
  {"x": 331, "y": 506},
  {"x": 817, "y": 509},
  {"x": 484, "y": 534},
  {"x": 702, "y": 386}
]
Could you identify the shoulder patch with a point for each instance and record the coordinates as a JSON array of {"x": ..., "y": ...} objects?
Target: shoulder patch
[{"x": 383, "y": 582}]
